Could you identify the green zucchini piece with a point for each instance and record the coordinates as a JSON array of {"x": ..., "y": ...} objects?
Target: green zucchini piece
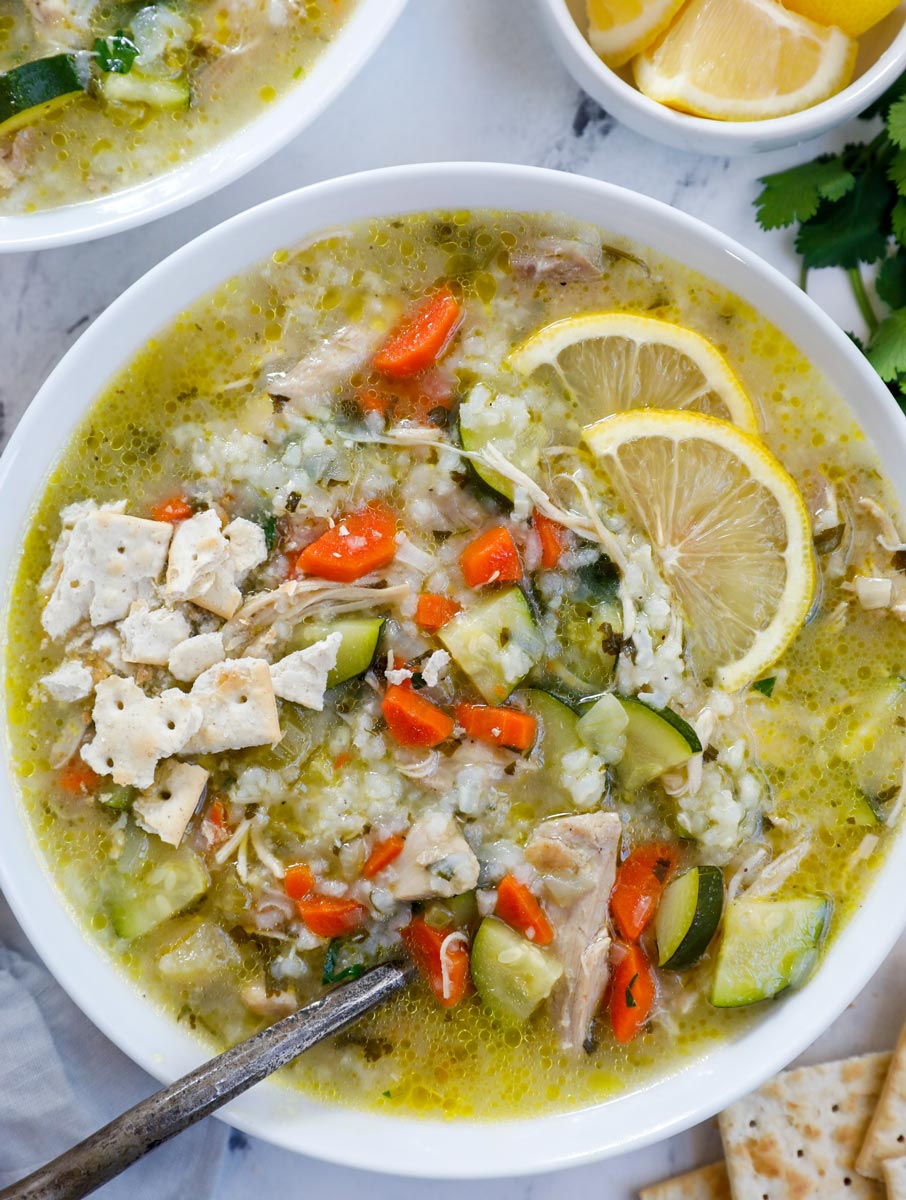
[
  {"x": 357, "y": 649},
  {"x": 657, "y": 740},
  {"x": 874, "y": 742},
  {"x": 31, "y": 91},
  {"x": 487, "y": 420},
  {"x": 603, "y": 728},
  {"x": 153, "y": 90},
  {"x": 458, "y": 912},
  {"x": 558, "y": 725},
  {"x": 118, "y": 799},
  {"x": 495, "y": 641},
  {"x": 768, "y": 945},
  {"x": 590, "y": 640},
  {"x": 139, "y": 903},
  {"x": 511, "y": 975},
  {"x": 688, "y": 916}
]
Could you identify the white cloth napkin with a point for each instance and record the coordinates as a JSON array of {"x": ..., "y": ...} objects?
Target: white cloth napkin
[{"x": 60, "y": 1079}]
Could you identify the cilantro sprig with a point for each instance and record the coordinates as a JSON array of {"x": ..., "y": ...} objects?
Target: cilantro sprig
[
  {"x": 850, "y": 209},
  {"x": 115, "y": 53}
]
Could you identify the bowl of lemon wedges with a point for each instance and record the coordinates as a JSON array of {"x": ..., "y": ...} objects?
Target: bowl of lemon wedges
[{"x": 730, "y": 76}]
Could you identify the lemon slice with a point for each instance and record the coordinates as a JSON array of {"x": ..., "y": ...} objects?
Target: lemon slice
[
  {"x": 620, "y": 29},
  {"x": 610, "y": 362},
  {"x": 729, "y": 527},
  {"x": 745, "y": 60},
  {"x": 854, "y": 17}
]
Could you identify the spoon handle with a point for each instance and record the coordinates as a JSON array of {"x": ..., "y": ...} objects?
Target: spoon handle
[{"x": 110, "y": 1150}]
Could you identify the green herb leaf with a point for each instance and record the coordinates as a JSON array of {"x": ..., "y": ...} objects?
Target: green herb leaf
[
  {"x": 116, "y": 53},
  {"x": 882, "y": 104},
  {"x": 333, "y": 972},
  {"x": 269, "y": 527},
  {"x": 765, "y": 686},
  {"x": 887, "y": 349},
  {"x": 891, "y": 281},
  {"x": 854, "y": 229},
  {"x": 630, "y": 999},
  {"x": 896, "y": 123},
  {"x": 796, "y": 194}
]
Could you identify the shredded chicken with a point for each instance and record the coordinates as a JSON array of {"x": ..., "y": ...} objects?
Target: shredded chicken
[
  {"x": 275, "y": 1004},
  {"x": 559, "y": 259},
  {"x": 888, "y": 538},
  {"x": 228, "y": 849},
  {"x": 750, "y": 864},
  {"x": 452, "y": 939},
  {"x": 324, "y": 368},
  {"x": 576, "y": 858},
  {"x": 775, "y": 874},
  {"x": 265, "y": 855},
  {"x": 267, "y": 617}
]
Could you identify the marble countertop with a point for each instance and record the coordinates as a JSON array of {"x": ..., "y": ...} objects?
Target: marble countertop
[{"x": 489, "y": 88}]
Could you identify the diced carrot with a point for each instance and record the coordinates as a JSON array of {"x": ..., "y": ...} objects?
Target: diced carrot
[
  {"x": 640, "y": 884},
  {"x": 359, "y": 543},
  {"x": 216, "y": 814},
  {"x": 413, "y": 720},
  {"x": 421, "y": 337},
  {"x": 341, "y": 760},
  {"x": 500, "y": 726},
  {"x": 330, "y": 916},
  {"x": 552, "y": 537},
  {"x": 298, "y": 881},
  {"x": 423, "y": 398},
  {"x": 77, "y": 778},
  {"x": 383, "y": 855},
  {"x": 632, "y": 994},
  {"x": 491, "y": 558},
  {"x": 174, "y": 510},
  {"x": 433, "y": 611},
  {"x": 442, "y": 957},
  {"x": 517, "y": 905}
]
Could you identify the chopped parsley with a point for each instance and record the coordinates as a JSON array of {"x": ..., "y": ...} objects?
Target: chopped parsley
[
  {"x": 116, "y": 53},
  {"x": 630, "y": 999},
  {"x": 765, "y": 686}
]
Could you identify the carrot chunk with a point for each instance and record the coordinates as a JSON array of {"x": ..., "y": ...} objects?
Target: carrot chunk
[
  {"x": 640, "y": 884},
  {"x": 633, "y": 993},
  {"x": 421, "y": 337},
  {"x": 552, "y": 537},
  {"x": 500, "y": 726},
  {"x": 298, "y": 881},
  {"x": 517, "y": 905},
  {"x": 413, "y": 720},
  {"x": 359, "y": 543},
  {"x": 433, "y": 611},
  {"x": 77, "y": 778},
  {"x": 330, "y": 916},
  {"x": 442, "y": 957},
  {"x": 383, "y": 854},
  {"x": 425, "y": 399},
  {"x": 491, "y": 558},
  {"x": 174, "y": 510}
]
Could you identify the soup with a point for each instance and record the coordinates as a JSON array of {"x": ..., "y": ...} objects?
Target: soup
[
  {"x": 97, "y": 97},
  {"x": 440, "y": 591}
]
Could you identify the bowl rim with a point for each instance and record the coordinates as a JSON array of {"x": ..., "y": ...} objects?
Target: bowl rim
[
  {"x": 654, "y": 119},
  {"x": 227, "y": 160},
  {"x": 402, "y": 1145}
]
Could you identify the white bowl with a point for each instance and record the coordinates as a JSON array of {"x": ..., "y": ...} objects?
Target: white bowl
[
  {"x": 384, "y": 1143},
  {"x": 367, "y": 26},
  {"x": 882, "y": 58}
]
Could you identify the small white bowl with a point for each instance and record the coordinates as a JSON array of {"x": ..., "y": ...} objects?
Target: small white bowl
[
  {"x": 367, "y": 26},
  {"x": 882, "y": 59},
  {"x": 692, "y": 1091}
]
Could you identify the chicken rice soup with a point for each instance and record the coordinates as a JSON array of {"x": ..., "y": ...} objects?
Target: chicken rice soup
[
  {"x": 100, "y": 95},
  {"x": 466, "y": 586}
]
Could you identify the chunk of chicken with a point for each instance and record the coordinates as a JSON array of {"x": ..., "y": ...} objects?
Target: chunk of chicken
[
  {"x": 62, "y": 22},
  {"x": 436, "y": 860},
  {"x": 268, "y": 1004},
  {"x": 312, "y": 380},
  {"x": 559, "y": 259},
  {"x": 576, "y": 858}
]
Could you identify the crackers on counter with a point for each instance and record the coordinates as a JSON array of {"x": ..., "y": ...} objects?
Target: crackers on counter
[{"x": 836, "y": 1131}]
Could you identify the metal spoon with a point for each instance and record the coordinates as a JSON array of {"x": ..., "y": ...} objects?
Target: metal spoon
[{"x": 109, "y": 1151}]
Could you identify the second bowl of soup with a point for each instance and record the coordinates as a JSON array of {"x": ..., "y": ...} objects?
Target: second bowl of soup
[{"x": 465, "y": 582}]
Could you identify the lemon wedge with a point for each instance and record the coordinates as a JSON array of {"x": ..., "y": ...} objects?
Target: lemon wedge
[
  {"x": 609, "y": 362},
  {"x": 744, "y": 60},
  {"x": 620, "y": 29},
  {"x": 854, "y": 17},
  {"x": 729, "y": 528}
]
